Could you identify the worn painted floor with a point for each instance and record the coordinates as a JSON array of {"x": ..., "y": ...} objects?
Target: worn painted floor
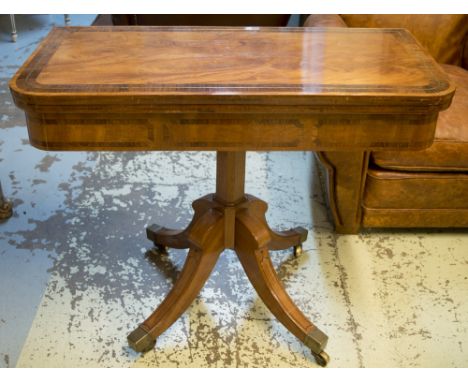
[{"x": 77, "y": 273}]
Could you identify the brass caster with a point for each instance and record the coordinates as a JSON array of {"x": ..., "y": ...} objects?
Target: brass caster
[
  {"x": 140, "y": 340},
  {"x": 297, "y": 250},
  {"x": 322, "y": 358},
  {"x": 6, "y": 209},
  {"x": 162, "y": 249}
]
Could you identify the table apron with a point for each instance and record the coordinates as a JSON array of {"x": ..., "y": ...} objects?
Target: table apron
[{"x": 230, "y": 132}]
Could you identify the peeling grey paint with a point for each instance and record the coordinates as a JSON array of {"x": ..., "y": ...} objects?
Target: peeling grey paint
[{"x": 46, "y": 163}]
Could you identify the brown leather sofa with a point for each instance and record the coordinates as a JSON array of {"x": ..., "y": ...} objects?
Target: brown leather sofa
[{"x": 427, "y": 188}]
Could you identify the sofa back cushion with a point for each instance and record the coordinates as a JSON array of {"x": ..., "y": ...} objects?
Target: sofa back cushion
[{"x": 444, "y": 36}]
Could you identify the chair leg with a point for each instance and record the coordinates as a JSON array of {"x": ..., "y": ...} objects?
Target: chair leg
[
  {"x": 14, "y": 35},
  {"x": 346, "y": 176}
]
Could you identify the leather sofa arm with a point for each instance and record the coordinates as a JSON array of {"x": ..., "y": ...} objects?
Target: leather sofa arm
[{"x": 324, "y": 21}]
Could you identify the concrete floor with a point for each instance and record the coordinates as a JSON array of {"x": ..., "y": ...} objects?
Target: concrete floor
[{"x": 77, "y": 273}]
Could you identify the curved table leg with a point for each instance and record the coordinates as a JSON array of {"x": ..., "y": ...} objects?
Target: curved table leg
[
  {"x": 163, "y": 237},
  {"x": 173, "y": 238},
  {"x": 206, "y": 237},
  {"x": 286, "y": 239},
  {"x": 252, "y": 237},
  {"x": 292, "y": 238}
]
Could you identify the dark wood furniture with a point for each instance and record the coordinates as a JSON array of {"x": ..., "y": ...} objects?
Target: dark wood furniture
[
  {"x": 232, "y": 20},
  {"x": 425, "y": 188},
  {"x": 230, "y": 90}
]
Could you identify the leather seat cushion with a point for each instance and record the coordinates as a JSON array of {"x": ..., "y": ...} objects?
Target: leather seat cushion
[
  {"x": 449, "y": 152},
  {"x": 411, "y": 190}
]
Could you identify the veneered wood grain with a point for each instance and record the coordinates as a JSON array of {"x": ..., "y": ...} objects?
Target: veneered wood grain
[
  {"x": 230, "y": 132},
  {"x": 230, "y": 62},
  {"x": 236, "y": 60}
]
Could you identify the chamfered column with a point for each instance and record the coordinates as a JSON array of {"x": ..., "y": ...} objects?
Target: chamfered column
[
  {"x": 230, "y": 176},
  {"x": 230, "y": 179}
]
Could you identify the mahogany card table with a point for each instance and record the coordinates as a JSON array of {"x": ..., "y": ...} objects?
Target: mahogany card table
[{"x": 230, "y": 90}]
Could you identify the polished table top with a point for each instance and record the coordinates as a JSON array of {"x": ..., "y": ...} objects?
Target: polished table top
[{"x": 199, "y": 88}]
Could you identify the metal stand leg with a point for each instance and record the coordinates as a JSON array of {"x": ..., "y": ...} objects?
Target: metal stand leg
[{"x": 13, "y": 28}]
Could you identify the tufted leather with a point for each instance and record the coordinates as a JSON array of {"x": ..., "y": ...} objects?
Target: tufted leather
[{"x": 449, "y": 152}]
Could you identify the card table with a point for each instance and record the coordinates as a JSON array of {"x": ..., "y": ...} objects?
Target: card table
[{"x": 230, "y": 90}]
